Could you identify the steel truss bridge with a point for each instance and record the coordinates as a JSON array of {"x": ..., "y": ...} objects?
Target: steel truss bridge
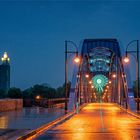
[
  {"x": 100, "y": 76},
  {"x": 100, "y": 82}
]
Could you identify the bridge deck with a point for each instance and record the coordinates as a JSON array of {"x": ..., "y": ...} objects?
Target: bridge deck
[{"x": 97, "y": 121}]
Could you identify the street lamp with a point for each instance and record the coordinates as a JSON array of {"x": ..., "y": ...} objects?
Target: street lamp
[
  {"x": 38, "y": 97},
  {"x": 126, "y": 60},
  {"x": 87, "y": 75},
  {"x": 90, "y": 82},
  {"x": 76, "y": 60},
  {"x": 114, "y": 75}
]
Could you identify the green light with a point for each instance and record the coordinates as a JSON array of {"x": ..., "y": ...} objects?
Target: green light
[{"x": 99, "y": 82}]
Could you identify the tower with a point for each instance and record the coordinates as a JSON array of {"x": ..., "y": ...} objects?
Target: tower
[{"x": 5, "y": 72}]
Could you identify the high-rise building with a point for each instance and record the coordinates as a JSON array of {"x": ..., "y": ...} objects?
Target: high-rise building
[{"x": 5, "y": 73}]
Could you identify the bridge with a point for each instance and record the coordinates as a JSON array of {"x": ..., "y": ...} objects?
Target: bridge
[
  {"x": 98, "y": 106},
  {"x": 100, "y": 76}
]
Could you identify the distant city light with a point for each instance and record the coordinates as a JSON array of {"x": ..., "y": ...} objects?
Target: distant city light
[
  {"x": 5, "y": 57},
  {"x": 38, "y": 97}
]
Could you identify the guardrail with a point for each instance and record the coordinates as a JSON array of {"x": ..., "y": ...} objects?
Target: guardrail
[{"x": 44, "y": 102}]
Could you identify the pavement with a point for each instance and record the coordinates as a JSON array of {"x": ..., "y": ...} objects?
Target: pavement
[
  {"x": 19, "y": 122},
  {"x": 96, "y": 121}
]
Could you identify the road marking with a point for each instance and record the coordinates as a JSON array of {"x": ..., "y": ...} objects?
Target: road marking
[{"x": 101, "y": 116}]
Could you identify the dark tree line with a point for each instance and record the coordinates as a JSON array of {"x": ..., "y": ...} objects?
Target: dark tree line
[{"x": 43, "y": 90}]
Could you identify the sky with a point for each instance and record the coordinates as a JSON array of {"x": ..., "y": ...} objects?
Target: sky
[{"x": 33, "y": 33}]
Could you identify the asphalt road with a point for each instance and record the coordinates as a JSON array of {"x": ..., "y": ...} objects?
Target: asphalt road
[{"x": 96, "y": 121}]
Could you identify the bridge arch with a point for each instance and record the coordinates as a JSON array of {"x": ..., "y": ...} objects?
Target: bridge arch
[{"x": 101, "y": 60}]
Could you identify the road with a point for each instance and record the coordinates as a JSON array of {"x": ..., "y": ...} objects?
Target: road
[{"x": 96, "y": 121}]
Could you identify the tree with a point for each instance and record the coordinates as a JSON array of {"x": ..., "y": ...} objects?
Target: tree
[
  {"x": 14, "y": 93},
  {"x": 27, "y": 94},
  {"x": 44, "y": 90},
  {"x": 2, "y": 93}
]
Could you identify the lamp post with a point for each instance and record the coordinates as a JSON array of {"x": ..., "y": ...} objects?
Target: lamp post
[
  {"x": 126, "y": 60},
  {"x": 76, "y": 60}
]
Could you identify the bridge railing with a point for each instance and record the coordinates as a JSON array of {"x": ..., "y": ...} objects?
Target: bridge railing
[{"x": 43, "y": 102}]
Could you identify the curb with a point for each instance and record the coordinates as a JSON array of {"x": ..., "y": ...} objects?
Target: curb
[{"x": 47, "y": 126}]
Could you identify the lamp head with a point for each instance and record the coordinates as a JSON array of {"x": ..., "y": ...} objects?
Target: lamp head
[
  {"x": 87, "y": 75},
  {"x": 126, "y": 59},
  {"x": 114, "y": 75},
  {"x": 76, "y": 59}
]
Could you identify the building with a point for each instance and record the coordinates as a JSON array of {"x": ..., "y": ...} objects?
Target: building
[{"x": 5, "y": 73}]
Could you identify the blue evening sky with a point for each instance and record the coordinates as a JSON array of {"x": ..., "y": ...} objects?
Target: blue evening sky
[{"x": 33, "y": 33}]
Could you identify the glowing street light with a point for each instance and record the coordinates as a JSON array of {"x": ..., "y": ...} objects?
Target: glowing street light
[
  {"x": 114, "y": 75},
  {"x": 109, "y": 82},
  {"x": 90, "y": 82},
  {"x": 76, "y": 59},
  {"x": 38, "y": 97},
  {"x": 126, "y": 59},
  {"x": 87, "y": 75},
  {"x": 105, "y": 90}
]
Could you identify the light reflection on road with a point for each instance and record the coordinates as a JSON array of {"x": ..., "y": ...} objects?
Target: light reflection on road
[
  {"x": 97, "y": 121},
  {"x": 28, "y": 118}
]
